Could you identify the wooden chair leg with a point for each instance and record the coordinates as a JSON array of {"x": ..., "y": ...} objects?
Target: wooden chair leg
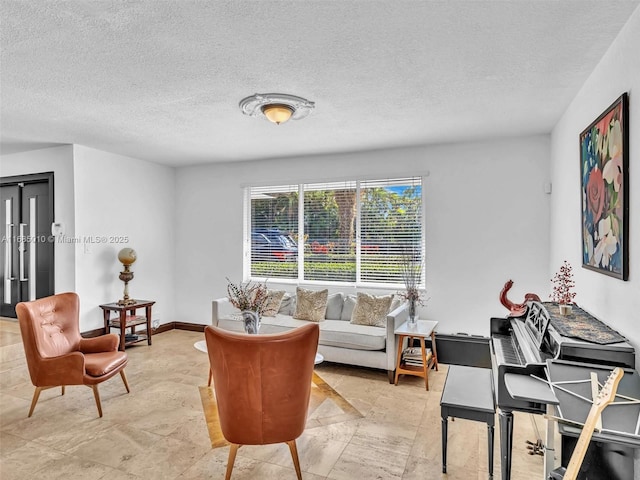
[
  {"x": 36, "y": 395},
  {"x": 294, "y": 455},
  {"x": 231, "y": 460},
  {"x": 62, "y": 389},
  {"x": 96, "y": 394},
  {"x": 124, "y": 380}
]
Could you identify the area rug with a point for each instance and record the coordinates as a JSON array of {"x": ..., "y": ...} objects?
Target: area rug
[{"x": 326, "y": 407}]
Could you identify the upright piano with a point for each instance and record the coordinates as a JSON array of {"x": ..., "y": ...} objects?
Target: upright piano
[{"x": 522, "y": 345}]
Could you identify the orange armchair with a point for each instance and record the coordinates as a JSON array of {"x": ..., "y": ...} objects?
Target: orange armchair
[
  {"x": 262, "y": 385},
  {"x": 56, "y": 353}
]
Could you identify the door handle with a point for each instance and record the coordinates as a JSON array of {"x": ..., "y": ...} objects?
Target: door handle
[
  {"x": 8, "y": 267},
  {"x": 21, "y": 250}
]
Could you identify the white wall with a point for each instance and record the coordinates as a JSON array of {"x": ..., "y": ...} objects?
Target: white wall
[
  {"x": 614, "y": 301},
  {"x": 122, "y": 196},
  {"x": 58, "y": 160},
  {"x": 487, "y": 222}
]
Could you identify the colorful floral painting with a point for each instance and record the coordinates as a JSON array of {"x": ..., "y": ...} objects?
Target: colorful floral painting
[{"x": 604, "y": 180}]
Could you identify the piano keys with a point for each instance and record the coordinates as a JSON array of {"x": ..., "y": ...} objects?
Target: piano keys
[{"x": 523, "y": 345}]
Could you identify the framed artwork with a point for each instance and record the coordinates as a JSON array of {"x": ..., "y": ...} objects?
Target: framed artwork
[{"x": 604, "y": 179}]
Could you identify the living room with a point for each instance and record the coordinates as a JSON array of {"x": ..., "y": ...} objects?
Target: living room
[{"x": 497, "y": 208}]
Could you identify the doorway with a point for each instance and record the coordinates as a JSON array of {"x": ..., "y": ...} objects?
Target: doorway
[{"x": 26, "y": 215}]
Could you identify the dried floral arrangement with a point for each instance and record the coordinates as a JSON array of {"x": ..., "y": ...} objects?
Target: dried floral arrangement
[
  {"x": 562, "y": 285},
  {"x": 247, "y": 296},
  {"x": 411, "y": 272}
]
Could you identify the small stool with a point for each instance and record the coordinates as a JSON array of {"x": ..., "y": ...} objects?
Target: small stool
[{"x": 468, "y": 394}]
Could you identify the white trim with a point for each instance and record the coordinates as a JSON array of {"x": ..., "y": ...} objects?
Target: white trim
[
  {"x": 361, "y": 178},
  {"x": 359, "y": 283}
]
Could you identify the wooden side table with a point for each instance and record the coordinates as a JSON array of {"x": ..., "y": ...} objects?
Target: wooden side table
[
  {"x": 127, "y": 319},
  {"x": 422, "y": 330}
]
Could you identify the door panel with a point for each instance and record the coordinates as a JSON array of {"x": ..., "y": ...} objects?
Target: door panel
[
  {"x": 9, "y": 220},
  {"x": 28, "y": 252}
]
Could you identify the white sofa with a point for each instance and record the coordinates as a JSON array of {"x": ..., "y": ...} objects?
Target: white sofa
[{"x": 340, "y": 340}]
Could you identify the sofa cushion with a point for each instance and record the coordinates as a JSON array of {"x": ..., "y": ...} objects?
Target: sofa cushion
[
  {"x": 347, "y": 308},
  {"x": 395, "y": 303},
  {"x": 338, "y": 333},
  {"x": 334, "y": 306},
  {"x": 272, "y": 303},
  {"x": 311, "y": 305},
  {"x": 288, "y": 304},
  {"x": 371, "y": 310}
]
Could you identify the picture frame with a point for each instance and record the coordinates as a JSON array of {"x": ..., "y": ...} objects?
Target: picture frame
[{"x": 604, "y": 181}]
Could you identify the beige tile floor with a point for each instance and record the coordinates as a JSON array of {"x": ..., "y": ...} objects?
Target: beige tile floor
[{"x": 158, "y": 431}]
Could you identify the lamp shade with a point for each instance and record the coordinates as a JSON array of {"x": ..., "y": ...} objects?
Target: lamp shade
[
  {"x": 277, "y": 113},
  {"x": 127, "y": 256}
]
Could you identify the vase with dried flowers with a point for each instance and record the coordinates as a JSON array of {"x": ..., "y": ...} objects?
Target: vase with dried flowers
[
  {"x": 411, "y": 271},
  {"x": 250, "y": 299},
  {"x": 562, "y": 284}
]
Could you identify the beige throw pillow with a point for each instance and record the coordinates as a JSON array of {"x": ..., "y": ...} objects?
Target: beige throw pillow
[
  {"x": 371, "y": 310},
  {"x": 311, "y": 305},
  {"x": 272, "y": 304}
]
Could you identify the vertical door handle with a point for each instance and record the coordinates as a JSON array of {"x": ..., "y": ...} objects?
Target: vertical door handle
[
  {"x": 8, "y": 247},
  {"x": 22, "y": 249}
]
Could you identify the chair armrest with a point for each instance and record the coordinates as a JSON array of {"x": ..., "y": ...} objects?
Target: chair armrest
[
  {"x": 220, "y": 308},
  {"x": 394, "y": 319},
  {"x": 64, "y": 370},
  {"x": 103, "y": 343}
]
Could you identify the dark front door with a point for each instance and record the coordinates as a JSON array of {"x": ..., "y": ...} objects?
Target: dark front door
[{"x": 26, "y": 215}]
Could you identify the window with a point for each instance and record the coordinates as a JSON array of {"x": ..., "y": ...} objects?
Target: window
[{"x": 352, "y": 231}]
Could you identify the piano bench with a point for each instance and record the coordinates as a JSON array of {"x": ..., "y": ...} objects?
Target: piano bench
[{"x": 468, "y": 394}]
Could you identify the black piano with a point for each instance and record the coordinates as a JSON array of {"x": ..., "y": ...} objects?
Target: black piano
[{"x": 522, "y": 345}]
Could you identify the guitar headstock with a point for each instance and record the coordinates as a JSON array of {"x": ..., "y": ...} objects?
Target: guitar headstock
[{"x": 608, "y": 392}]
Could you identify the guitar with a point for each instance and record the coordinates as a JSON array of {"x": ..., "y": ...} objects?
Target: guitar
[{"x": 606, "y": 396}]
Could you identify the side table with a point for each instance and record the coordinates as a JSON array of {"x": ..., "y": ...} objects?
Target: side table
[
  {"x": 421, "y": 330},
  {"x": 127, "y": 319}
]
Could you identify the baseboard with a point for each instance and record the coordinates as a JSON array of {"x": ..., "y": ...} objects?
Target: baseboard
[
  {"x": 192, "y": 327},
  {"x": 165, "y": 327},
  {"x": 458, "y": 349},
  {"x": 93, "y": 333}
]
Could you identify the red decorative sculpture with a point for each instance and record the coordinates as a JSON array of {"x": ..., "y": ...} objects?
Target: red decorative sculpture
[{"x": 516, "y": 309}]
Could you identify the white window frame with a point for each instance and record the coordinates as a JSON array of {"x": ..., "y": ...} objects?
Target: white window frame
[{"x": 358, "y": 239}]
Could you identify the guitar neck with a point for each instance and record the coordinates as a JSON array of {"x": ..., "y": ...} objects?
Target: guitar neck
[{"x": 583, "y": 444}]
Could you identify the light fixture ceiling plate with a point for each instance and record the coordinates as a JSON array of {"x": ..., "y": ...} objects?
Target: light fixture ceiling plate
[{"x": 252, "y": 105}]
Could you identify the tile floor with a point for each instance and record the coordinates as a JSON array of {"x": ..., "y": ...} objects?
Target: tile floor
[{"x": 158, "y": 431}]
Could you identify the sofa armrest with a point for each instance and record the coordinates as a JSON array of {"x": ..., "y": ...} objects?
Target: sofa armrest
[
  {"x": 395, "y": 318},
  {"x": 220, "y": 308}
]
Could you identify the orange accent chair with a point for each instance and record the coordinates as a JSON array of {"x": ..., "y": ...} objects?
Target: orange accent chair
[
  {"x": 262, "y": 385},
  {"x": 56, "y": 353}
]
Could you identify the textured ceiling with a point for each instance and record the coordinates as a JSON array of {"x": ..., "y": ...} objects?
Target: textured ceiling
[{"x": 161, "y": 80}]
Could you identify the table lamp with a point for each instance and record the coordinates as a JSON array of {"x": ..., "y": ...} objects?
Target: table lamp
[{"x": 127, "y": 257}]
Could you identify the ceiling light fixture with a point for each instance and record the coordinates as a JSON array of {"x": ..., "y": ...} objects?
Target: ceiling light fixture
[
  {"x": 277, "y": 113},
  {"x": 276, "y": 107}
]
